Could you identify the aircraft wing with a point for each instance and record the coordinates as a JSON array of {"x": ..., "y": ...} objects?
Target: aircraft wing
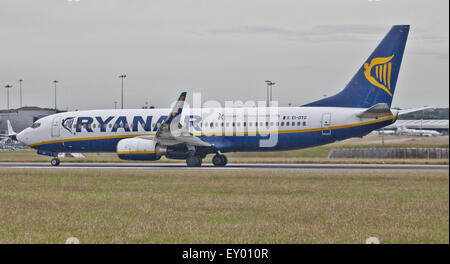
[
  {"x": 171, "y": 132},
  {"x": 378, "y": 110}
]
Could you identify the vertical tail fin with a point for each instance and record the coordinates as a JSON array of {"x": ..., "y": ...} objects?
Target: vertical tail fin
[{"x": 375, "y": 81}]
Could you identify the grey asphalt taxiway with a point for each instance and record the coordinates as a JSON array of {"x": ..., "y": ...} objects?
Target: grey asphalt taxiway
[{"x": 230, "y": 166}]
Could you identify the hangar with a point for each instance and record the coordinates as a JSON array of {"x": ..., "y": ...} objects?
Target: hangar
[{"x": 23, "y": 117}]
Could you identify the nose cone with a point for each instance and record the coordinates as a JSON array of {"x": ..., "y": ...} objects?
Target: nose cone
[{"x": 23, "y": 137}]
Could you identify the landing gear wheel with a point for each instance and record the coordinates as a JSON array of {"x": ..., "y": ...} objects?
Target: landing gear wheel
[
  {"x": 219, "y": 160},
  {"x": 193, "y": 161},
  {"x": 55, "y": 162}
]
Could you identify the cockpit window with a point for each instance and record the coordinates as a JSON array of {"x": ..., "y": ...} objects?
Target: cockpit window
[{"x": 36, "y": 125}]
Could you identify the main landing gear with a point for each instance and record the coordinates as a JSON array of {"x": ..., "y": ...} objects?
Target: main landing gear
[
  {"x": 220, "y": 160},
  {"x": 193, "y": 161},
  {"x": 55, "y": 162}
]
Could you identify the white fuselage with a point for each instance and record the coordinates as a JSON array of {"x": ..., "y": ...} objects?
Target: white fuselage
[{"x": 232, "y": 129}]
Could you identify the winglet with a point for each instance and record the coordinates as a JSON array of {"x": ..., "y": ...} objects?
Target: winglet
[
  {"x": 178, "y": 108},
  {"x": 10, "y": 129},
  {"x": 11, "y": 133}
]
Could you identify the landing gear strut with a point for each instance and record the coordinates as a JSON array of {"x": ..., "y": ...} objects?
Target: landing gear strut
[
  {"x": 219, "y": 160},
  {"x": 193, "y": 161},
  {"x": 55, "y": 162}
]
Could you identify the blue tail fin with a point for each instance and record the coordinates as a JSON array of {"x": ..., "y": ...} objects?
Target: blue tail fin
[{"x": 375, "y": 81}]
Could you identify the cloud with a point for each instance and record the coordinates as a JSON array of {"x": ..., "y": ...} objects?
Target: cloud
[{"x": 318, "y": 33}]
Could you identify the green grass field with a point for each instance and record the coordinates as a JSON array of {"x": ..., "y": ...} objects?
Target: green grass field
[{"x": 232, "y": 206}]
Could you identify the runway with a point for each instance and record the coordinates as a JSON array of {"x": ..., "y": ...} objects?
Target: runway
[{"x": 231, "y": 166}]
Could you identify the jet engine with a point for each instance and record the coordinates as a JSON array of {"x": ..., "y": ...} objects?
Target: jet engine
[{"x": 138, "y": 149}]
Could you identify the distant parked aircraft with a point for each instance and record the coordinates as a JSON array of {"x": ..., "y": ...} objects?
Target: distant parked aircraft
[
  {"x": 386, "y": 132},
  {"x": 417, "y": 132}
]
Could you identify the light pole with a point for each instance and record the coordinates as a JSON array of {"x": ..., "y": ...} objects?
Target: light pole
[
  {"x": 267, "y": 93},
  {"x": 20, "y": 89},
  {"x": 123, "y": 76},
  {"x": 7, "y": 95},
  {"x": 271, "y": 84},
  {"x": 55, "y": 82}
]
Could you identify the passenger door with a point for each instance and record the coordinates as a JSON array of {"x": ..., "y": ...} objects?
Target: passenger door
[
  {"x": 326, "y": 123},
  {"x": 56, "y": 124}
]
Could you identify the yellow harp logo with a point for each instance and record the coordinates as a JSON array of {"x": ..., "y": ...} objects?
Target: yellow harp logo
[{"x": 382, "y": 78}]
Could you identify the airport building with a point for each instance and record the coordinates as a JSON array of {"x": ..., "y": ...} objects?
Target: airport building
[{"x": 22, "y": 118}]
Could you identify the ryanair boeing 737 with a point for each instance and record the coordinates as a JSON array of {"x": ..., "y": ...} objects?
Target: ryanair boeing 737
[{"x": 191, "y": 134}]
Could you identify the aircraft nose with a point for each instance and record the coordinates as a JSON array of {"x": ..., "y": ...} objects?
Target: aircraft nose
[{"x": 23, "y": 137}]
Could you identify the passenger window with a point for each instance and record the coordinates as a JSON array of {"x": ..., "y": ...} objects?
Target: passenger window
[
  {"x": 287, "y": 123},
  {"x": 267, "y": 124},
  {"x": 36, "y": 125},
  {"x": 244, "y": 124},
  {"x": 238, "y": 124},
  {"x": 212, "y": 124},
  {"x": 298, "y": 123},
  {"x": 304, "y": 123},
  {"x": 282, "y": 123}
]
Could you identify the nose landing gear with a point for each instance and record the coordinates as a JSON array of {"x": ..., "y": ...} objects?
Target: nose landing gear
[
  {"x": 55, "y": 162},
  {"x": 220, "y": 160}
]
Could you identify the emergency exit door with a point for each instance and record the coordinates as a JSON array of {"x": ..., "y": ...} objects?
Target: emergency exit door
[{"x": 56, "y": 126}]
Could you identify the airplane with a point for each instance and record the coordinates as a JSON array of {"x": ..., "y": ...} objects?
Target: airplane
[
  {"x": 386, "y": 132},
  {"x": 402, "y": 130},
  {"x": 193, "y": 133}
]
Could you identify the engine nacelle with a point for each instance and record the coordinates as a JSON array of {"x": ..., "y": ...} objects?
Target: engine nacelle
[{"x": 137, "y": 149}]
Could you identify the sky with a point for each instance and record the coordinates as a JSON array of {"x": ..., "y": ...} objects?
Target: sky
[{"x": 223, "y": 49}]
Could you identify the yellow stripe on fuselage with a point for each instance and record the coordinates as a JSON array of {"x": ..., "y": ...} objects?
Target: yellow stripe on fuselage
[{"x": 219, "y": 133}]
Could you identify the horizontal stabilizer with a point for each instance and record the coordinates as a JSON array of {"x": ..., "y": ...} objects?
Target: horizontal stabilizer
[
  {"x": 378, "y": 110},
  {"x": 412, "y": 110}
]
